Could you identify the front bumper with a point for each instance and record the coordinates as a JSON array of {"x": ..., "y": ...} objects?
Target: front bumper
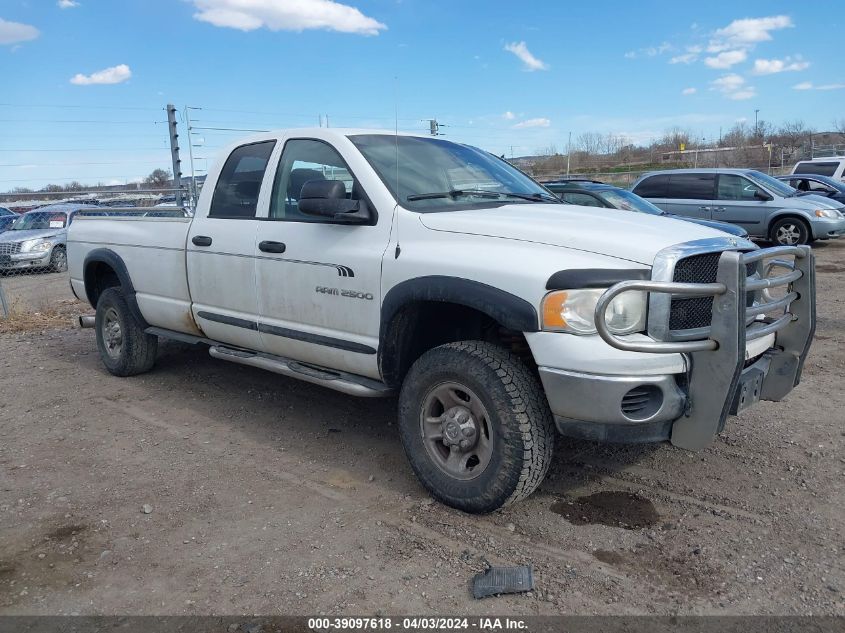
[
  {"x": 24, "y": 260},
  {"x": 729, "y": 370},
  {"x": 827, "y": 229}
]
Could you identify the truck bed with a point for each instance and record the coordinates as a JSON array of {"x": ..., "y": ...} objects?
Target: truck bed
[{"x": 153, "y": 244}]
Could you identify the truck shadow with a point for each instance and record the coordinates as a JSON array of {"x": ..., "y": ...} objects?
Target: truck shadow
[{"x": 357, "y": 436}]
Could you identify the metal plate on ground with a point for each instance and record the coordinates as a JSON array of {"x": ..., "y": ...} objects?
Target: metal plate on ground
[{"x": 498, "y": 580}]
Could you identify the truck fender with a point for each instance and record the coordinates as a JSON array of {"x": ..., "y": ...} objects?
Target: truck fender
[
  {"x": 116, "y": 263},
  {"x": 514, "y": 313}
]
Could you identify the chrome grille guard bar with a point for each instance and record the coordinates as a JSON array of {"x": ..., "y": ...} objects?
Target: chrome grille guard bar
[{"x": 716, "y": 360}]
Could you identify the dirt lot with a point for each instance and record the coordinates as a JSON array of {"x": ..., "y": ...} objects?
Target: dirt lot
[{"x": 269, "y": 496}]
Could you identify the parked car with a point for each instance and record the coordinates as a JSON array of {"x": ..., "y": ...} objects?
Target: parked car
[
  {"x": 818, "y": 185},
  {"x": 374, "y": 263},
  {"x": 38, "y": 239},
  {"x": 764, "y": 206},
  {"x": 594, "y": 193},
  {"x": 833, "y": 166},
  {"x": 7, "y": 217}
]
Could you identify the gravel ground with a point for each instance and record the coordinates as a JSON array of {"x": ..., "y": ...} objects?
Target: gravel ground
[{"x": 205, "y": 487}]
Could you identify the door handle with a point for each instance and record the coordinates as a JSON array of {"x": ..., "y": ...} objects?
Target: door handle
[
  {"x": 201, "y": 240},
  {"x": 271, "y": 247},
  {"x": 719, "y": 209},
  {"x": 703, "y": 208}
]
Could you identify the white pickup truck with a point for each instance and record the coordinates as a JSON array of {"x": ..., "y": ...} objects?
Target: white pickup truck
[{"x": 374, "y": 263}]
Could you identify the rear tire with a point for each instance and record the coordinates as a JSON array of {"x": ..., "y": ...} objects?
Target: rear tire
[
  {"x": 475, "y": 425},
  {"x": 790, "y": 232},
  {"x": 125, "y": 349}
]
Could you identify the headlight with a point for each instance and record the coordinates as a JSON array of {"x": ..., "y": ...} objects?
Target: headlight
[
  {"x": 574, "y": 311},
  {"x": 831, "y": 214},
  {"x": 36, "y": 246}
]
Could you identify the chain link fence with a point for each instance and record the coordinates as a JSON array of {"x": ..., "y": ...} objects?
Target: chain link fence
[{"x": 35, "y": 288}]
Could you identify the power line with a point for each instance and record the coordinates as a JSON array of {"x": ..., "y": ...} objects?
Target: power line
[
  {"x": 111, "y": 162},
  {"x": 80, "y": 107},
  {"x": 95, "y": 149},
  {"x": 75, "y": 121}
]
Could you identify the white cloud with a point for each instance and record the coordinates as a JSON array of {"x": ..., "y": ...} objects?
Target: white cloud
[
  {"x": 509, "y": 116},
  {"x": 67, "y": 4},
  {"x": 686, "y": 58},
  {"x": 300, "y": 15},
  {"x": 748, "y": 31},
  {"x": 540, "y": 122},
  {"x": 531, "y": 63},
  {"x": 650, "y": 51},
  {"x": 733, "y": 87},
  {"x": 114, "y": 75},
  {"x": 689, "y": 91},
  {"x": 14, "y": 32},
  {"x": 808, "y": 85},
  {"x": 771, "y": 66},
  {"x": 742, "y": 95},
  {"x": 726, "y": 59}
]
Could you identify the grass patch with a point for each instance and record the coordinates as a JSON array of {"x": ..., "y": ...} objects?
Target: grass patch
[{"x": 57, "y": 315}]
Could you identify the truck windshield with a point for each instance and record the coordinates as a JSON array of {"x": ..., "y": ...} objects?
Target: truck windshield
[
  {"x": 40, "y": 220},
  {"x": 438, "y": 175}
]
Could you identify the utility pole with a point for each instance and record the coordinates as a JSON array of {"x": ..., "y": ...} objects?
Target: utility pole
[
  {"x": 568, "y": 152},
  {"x": 191, "y": 156},
  {"x": 174, "y": 152},
  {"x": 433, "y": 127},
  {"x": 756, "y": 127}
]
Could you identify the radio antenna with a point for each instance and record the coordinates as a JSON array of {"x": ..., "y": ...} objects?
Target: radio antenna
[{"x": 396, "y": 141}]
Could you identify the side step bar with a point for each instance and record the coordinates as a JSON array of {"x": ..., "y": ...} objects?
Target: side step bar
[{"x": 339, "y": 381}]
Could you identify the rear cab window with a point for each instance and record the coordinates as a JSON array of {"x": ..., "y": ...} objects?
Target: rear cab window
[{"x": 236, "y": 193}]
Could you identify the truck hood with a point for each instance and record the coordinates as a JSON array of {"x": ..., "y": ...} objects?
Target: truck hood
[
  {"x": 20, "y": 236},
  {"x": 635, "y": 237}
]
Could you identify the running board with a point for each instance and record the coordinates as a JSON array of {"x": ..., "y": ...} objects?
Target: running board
[{"x": 337, "y": 380}]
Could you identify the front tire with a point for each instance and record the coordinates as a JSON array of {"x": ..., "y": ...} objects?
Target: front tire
[
  {"x": 125, "y": 349},
  {"x": 790, "y": 232},
  {"x": 58, "y": 260},
  {"x": 475, "y": 425}
]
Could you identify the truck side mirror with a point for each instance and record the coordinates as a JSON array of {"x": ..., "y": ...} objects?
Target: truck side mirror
[{"x": 327, "y": 199}]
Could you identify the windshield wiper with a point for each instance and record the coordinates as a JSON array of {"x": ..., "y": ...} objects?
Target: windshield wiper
[
  {"x": 532, "y": 197},
  {"x": 454, "y": 193}
]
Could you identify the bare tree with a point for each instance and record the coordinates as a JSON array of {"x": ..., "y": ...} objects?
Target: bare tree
[{"x": 158, "y": 179}]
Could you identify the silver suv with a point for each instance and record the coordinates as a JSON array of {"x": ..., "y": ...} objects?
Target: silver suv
[{"x": 764, "y": 206}]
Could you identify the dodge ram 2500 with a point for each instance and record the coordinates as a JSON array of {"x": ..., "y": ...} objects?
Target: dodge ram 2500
[{"x": 374, "y": 263}]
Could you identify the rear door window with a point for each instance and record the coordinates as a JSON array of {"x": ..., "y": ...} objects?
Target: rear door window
[
  {"x": 653, "y": 187},
  {"x": 692, "y": 186},
  {"x": 237, "y": 189},
  {"x": 816, "y": 167}
]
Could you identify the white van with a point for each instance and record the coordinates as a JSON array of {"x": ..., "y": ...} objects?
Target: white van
[{"x": 833, "y": 166}]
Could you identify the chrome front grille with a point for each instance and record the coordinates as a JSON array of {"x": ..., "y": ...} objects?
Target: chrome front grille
[{"x": 10, "y": 248}]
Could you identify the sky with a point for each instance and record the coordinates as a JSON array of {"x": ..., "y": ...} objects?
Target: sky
[{"x": 85, "y": 82}]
